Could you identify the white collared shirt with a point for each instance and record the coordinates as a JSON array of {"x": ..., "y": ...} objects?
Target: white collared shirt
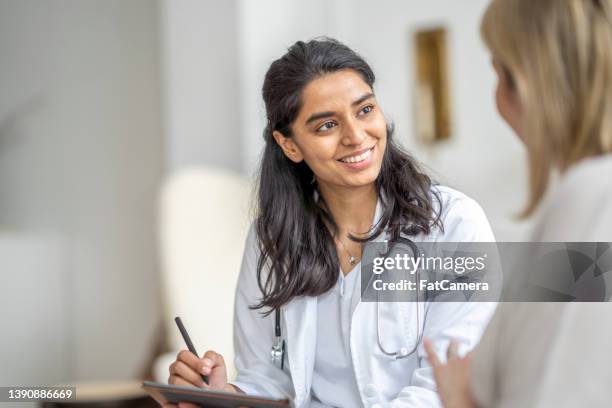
[{"x": 333, "y": 382}]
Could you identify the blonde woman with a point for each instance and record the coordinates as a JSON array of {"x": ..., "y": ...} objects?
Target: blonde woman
[{"x": 553, "y": 59}]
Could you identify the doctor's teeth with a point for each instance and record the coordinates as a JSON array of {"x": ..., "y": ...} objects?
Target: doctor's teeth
[{"x": 357, "y": 159}]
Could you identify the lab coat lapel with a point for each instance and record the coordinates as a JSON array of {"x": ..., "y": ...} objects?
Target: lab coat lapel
[
  {"x": 301, "y": 325},
  {"x": 378, "y": 214}
]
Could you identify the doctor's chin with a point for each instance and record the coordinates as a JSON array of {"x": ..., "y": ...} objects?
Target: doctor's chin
[{"x": 282, "y": 203}]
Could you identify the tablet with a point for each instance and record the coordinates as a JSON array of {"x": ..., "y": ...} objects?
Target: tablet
[{"x": 209, "y": 399}]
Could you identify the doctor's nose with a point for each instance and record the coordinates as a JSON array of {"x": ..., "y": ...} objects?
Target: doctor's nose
[{"x": 353, "y": 134}]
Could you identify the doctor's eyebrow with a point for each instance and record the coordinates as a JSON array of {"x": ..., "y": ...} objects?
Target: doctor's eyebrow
[{"x": 327, "y": 114}]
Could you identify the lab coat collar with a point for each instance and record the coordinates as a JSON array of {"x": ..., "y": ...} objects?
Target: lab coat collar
[{"x": 379, "y": 210}]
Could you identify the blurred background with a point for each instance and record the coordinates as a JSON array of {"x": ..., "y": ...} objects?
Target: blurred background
[{"x": 103, "y": 103}]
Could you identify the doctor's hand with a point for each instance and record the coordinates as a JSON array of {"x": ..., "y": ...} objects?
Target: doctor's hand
[
  {"x": 188, "y": 369},
  {"x": 452, "y": 378}
]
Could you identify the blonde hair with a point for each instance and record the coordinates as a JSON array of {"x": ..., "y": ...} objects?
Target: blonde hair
[{"x": 559, "y": 56}]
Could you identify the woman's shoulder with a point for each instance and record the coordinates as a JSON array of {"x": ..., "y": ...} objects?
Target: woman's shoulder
[
  {"x": 252, "y": 250},
  {"x": 452, "y": 203},
  {"x": 463, "y": 219},
  {"x": 252, "y": 244},
  {"x": 452, "y": 196},
  {"x": 579, "y": 206}
]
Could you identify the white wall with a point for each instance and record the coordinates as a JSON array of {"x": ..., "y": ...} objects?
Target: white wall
[
  {"x": 81, "y": 160},
  {"x": 265, "y": 30},
  {"x": 201, "y": 108}
]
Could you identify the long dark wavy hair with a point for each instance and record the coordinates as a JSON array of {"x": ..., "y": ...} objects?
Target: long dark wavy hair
[{"x": 294, "y": 229}]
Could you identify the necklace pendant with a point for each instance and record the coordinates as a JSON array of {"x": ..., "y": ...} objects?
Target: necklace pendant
[{"x": 352, "y": 260}]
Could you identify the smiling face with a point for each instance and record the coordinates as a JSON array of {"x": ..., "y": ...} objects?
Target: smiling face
[{"x": 340, "y": 131}]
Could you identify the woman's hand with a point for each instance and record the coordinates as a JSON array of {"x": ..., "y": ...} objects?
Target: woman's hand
[
  {"x": 452, "y": 378},
  {"x": 188, "y": 369}
]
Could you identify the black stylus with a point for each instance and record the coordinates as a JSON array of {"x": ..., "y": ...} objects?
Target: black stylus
[{"x": 183, "y": 331}]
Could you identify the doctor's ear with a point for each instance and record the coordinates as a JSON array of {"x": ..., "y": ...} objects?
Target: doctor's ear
[{"x": 287, "y": 144}]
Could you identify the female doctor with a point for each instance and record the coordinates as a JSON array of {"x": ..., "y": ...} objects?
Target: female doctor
[{"x": 332, "y": 178}]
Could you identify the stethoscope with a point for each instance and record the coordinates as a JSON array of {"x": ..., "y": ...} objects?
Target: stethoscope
[
  {"x": 278, "y": 348},
  {"x": 403, "y": 352}
]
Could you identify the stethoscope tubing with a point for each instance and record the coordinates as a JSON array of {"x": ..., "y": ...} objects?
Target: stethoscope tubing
[{"x": 278, "y": 349}]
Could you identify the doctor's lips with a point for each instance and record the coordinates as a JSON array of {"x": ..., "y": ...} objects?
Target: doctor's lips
[{"x": 358, "y": 156}]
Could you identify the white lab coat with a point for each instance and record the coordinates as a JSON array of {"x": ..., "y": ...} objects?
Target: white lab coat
[{"x": 382, "y": 380}]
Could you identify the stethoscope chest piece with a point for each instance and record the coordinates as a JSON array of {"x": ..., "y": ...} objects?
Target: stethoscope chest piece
[{"x": 278, "y": 348}]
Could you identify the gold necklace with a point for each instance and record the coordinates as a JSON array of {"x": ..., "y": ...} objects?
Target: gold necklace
[{"x": 352, "y": 259}]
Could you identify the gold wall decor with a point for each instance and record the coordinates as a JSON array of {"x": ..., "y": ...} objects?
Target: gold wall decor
[{"x": 432, "y": 87}]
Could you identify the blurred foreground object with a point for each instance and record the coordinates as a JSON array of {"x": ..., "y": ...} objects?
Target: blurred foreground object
[
  {"x": 203, "y": 222},
  {"x": 107, "y": 395},
  {"x": 35, "y": 294}
]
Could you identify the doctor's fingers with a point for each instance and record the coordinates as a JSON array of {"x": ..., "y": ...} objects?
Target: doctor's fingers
[
  {"x": 181, "y": 369},
  {"x": 190, "y": 359},
  {"x": 187, "y": 405},
  {"x": 213, "y": 359},
  {"x": 180, "y": 381}
]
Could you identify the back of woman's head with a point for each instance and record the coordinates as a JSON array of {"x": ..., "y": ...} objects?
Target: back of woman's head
[{"x": 559, "y": 56}]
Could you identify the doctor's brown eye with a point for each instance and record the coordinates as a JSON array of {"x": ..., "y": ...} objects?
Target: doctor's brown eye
[
  {"x": 366, "y": 109},
  {"x": 326, "y": 126}
]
